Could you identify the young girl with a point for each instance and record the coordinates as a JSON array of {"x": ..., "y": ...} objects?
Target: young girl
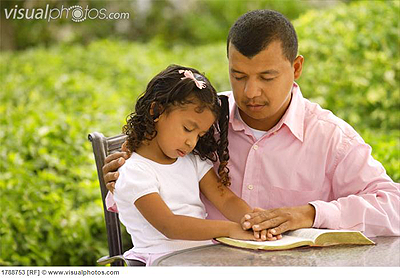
[{"x": 172, "y": 138}]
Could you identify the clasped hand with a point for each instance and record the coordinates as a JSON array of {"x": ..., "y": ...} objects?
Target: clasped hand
[{"x": 271, "y": 224}]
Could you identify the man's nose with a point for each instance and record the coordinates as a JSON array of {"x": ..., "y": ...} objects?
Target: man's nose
[{"x": 252, "y": 89}]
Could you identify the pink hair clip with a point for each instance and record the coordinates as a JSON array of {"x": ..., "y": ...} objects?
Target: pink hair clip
[{"x": 189, "y": 74}]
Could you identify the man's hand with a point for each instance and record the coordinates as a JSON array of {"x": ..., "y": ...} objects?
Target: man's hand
[
  {"x": 259, "y": 235},
  {"x": 280, "y": 220},
  {"x": 112, "y": 164}
]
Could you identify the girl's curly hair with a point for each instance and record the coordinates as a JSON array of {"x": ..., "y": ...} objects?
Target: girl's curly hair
[{"x": 168, "y": 90}]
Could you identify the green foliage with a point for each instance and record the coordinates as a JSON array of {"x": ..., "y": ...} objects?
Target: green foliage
[
  {"x": 172, "y": 21},
  {"x": 52, "y": 98},
  {"x": 385, "y": 149},
  {"x": 352, "y": 64}
]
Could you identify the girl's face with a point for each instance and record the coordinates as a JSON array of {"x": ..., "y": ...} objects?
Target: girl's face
[{"x": 178, "y": 132}]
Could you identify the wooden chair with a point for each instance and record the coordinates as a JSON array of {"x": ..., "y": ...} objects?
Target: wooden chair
[{"x": 103, "y": 146}]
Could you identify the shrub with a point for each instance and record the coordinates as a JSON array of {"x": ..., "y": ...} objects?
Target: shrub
[
  {"x": 352, "y": 64},
  {"x": 385, "y": 149},
  {"x": 185, "y": 21}
]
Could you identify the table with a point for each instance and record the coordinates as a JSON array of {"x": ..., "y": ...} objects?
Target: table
[{"x": 386, "y": 252}]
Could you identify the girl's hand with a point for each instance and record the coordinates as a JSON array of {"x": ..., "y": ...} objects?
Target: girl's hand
[
  {"x": 237, "y": 232},
  {"x": 266, "y": 235}
]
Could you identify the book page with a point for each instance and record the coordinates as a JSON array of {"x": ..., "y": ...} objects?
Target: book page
[
  {"x": 312, "y": 234},
  {"x": 326, "y": 237},
  {"x": 286, "y": 242},
  {"x": 303, "y": 237}
]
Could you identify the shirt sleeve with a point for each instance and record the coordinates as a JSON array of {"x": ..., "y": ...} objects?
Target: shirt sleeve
[
  {"x": 366, "y": 198},
  {"x": 135, "y": 181},
  {"x": 202, "y": 166},
  {"x": 110, "y": 203}
]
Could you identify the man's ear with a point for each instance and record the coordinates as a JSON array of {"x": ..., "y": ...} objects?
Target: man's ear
[{"x": 298, "y": 66}]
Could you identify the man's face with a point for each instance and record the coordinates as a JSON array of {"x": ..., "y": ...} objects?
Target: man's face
[{"x": 262, "y": 85}]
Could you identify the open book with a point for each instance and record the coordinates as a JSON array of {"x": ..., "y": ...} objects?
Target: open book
[{"x": 303, "y": 237}]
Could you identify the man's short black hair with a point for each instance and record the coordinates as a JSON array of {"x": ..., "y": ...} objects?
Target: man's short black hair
[{"x": 255, "y": 30}]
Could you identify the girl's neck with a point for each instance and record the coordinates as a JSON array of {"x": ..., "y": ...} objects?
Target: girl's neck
[{"x": 146, "y": 150}]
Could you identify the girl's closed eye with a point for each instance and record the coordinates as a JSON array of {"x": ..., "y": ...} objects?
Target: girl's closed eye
[
  {"x": 191, "y": 130},
  {"x": 238, "y": 77},
  {"x": 201, "y": 135}
]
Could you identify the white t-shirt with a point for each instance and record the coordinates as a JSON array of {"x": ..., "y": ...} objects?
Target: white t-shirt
[{"x": 178, "y": 186}]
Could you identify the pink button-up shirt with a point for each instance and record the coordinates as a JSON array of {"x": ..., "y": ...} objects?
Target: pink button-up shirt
[{"x": 311, "y": 156}]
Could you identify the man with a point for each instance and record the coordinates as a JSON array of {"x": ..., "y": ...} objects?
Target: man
[{"x": 304, "y": 166}]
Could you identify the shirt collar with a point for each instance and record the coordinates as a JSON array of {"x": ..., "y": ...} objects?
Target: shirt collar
[
  {"x": 293, "y": 117},
  {"x": 234, "y": 120}
]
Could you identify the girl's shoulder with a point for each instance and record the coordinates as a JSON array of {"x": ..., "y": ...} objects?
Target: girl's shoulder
[
  {"x": 136, "y": 173},
  {"x": 197, "y": 162},
  {"x": 137, "y": 163}
]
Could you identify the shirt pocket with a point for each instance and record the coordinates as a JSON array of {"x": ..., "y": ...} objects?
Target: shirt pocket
[{"x": 298, "y": 189}]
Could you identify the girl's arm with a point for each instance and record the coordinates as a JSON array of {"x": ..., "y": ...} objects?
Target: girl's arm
[
  {"x": 230, "y": 205},
  {"x": 158, "y": 214}
]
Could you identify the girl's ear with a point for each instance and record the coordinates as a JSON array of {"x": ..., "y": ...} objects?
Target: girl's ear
[{"x": 155, "y": 111}]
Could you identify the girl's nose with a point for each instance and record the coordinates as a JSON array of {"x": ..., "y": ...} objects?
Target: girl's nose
[{"x": 191, "y": 142}]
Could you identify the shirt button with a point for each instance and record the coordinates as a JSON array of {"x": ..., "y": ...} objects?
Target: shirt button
[
  {"x": 255, "y": 147},
  {"x": 250, "y": 186}
]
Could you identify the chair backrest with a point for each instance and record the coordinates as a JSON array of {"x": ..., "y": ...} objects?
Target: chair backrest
[{"x": 103, "y": 146}]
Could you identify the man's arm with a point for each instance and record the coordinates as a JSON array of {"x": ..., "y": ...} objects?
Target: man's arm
[{"x": 365, "y": 199}]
